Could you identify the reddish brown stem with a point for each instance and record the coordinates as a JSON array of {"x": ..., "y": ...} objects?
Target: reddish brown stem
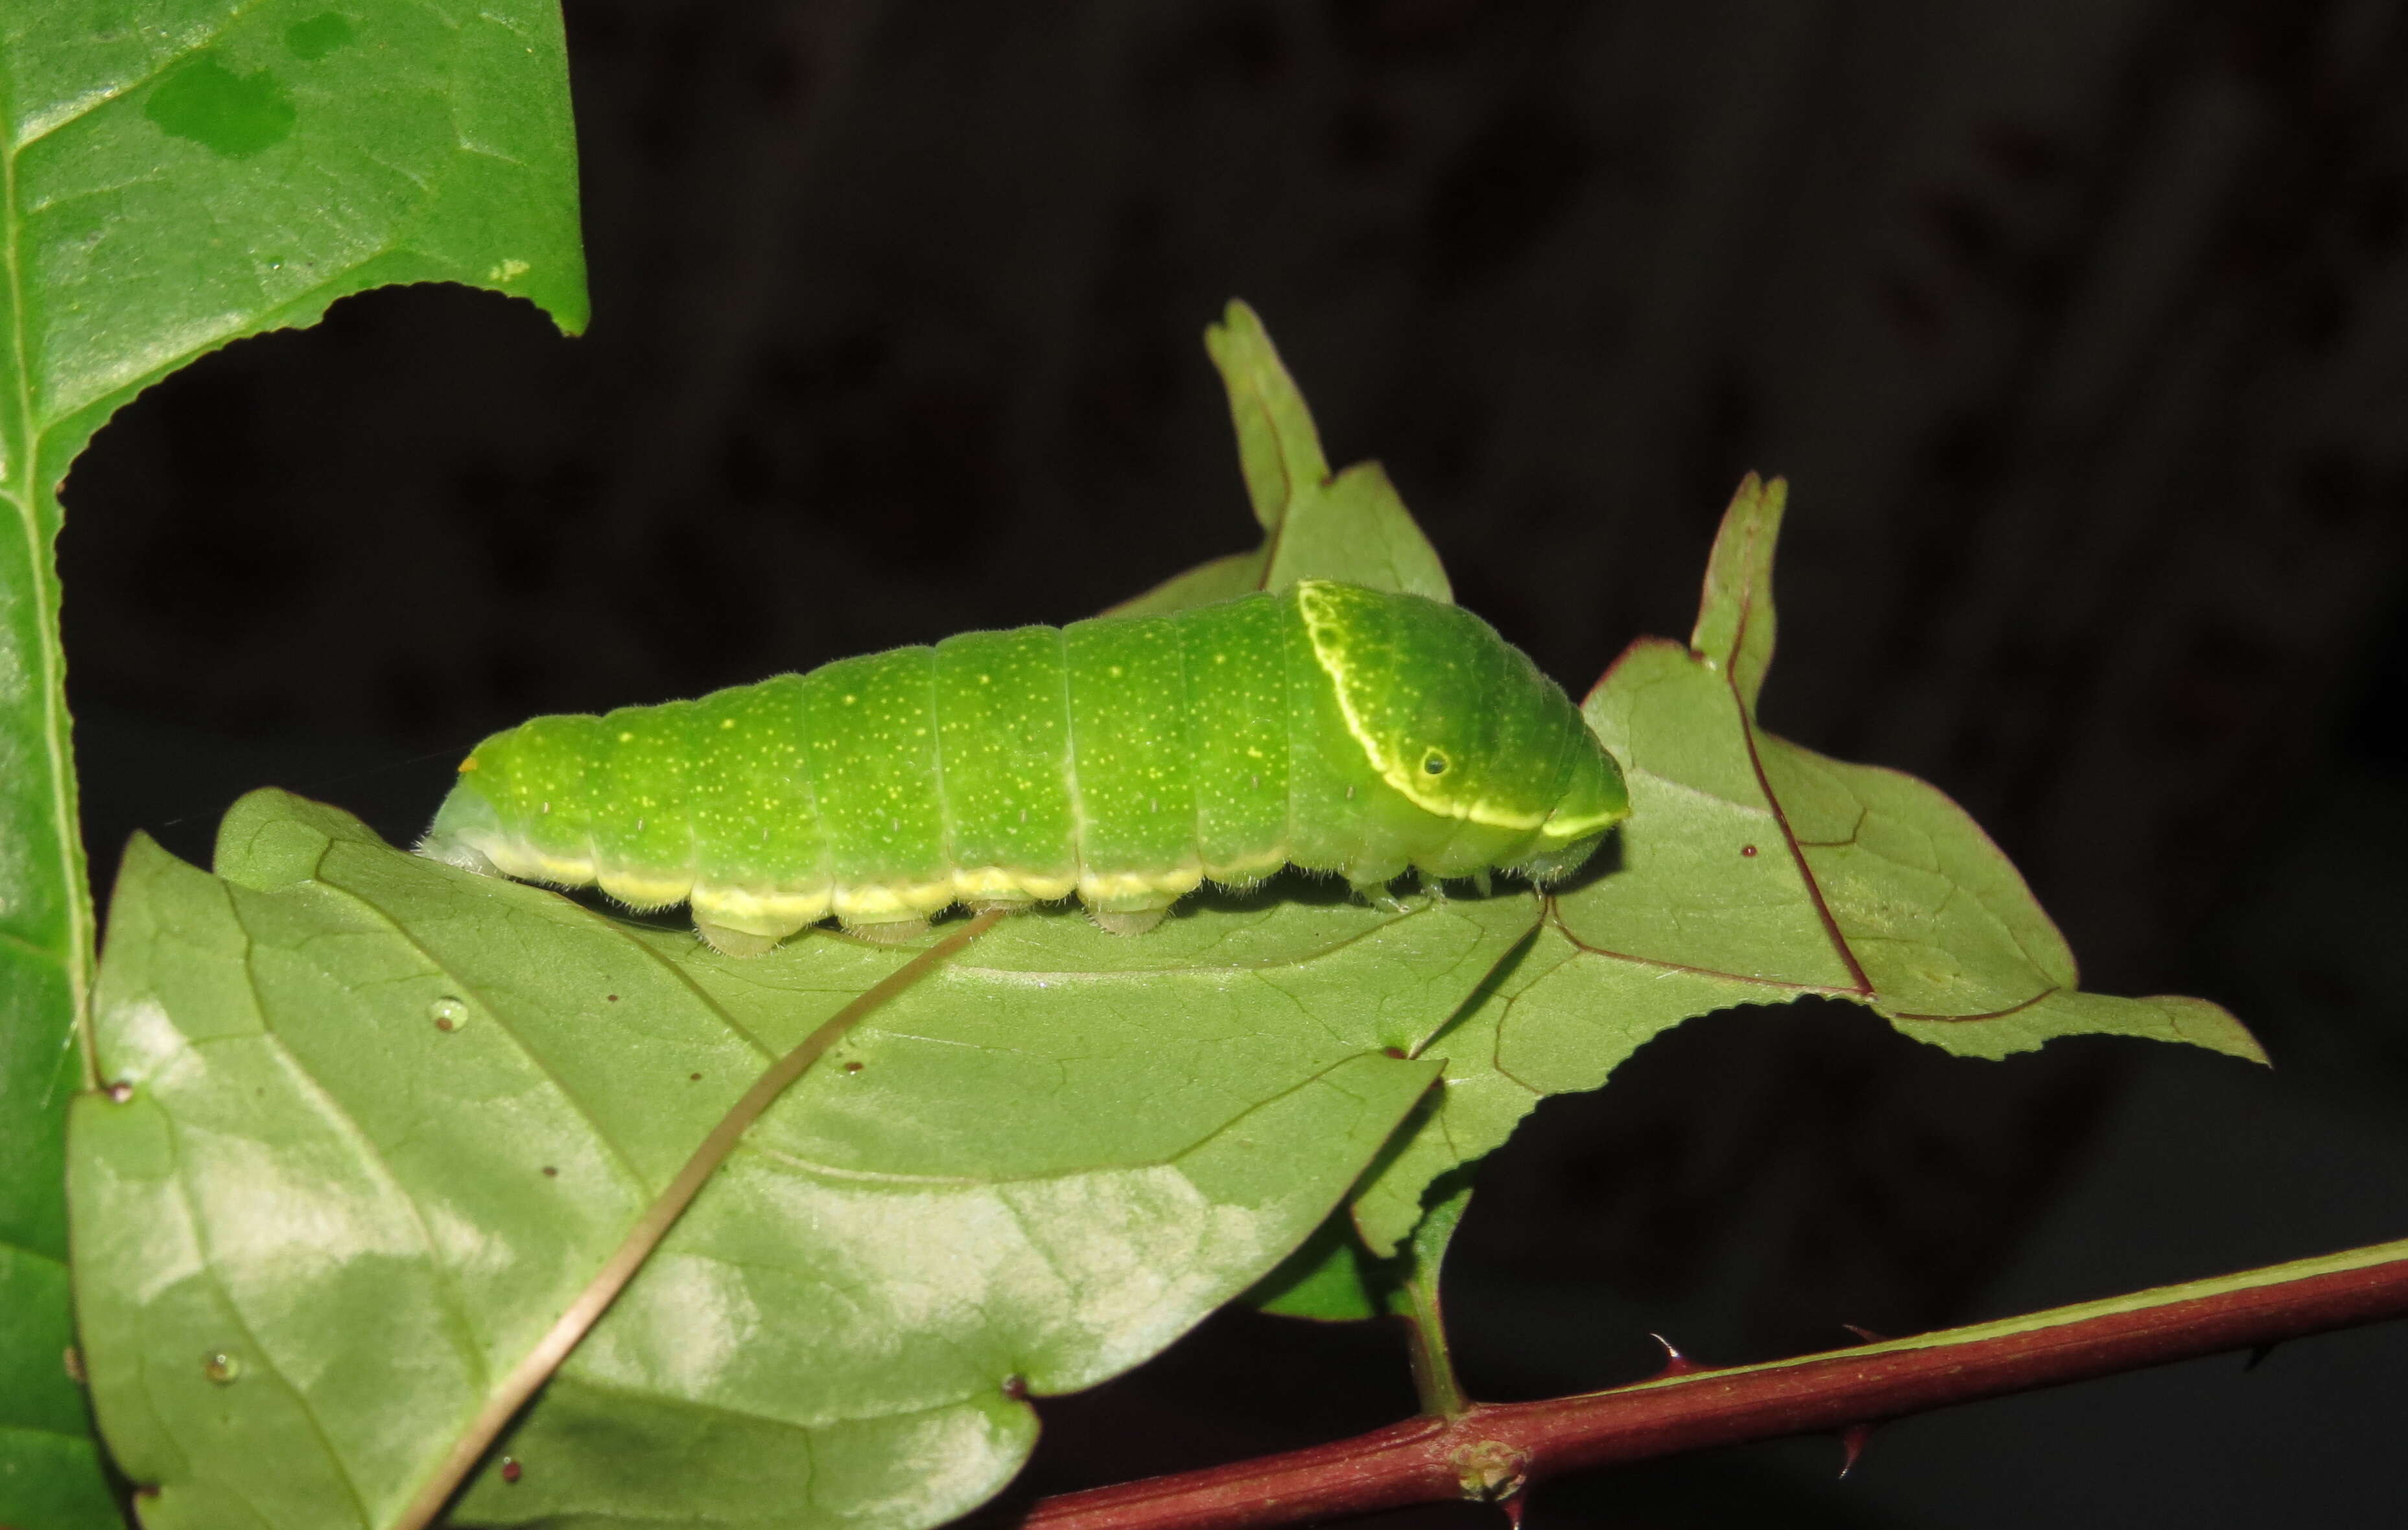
[{"x": 1494, "y": 1448}]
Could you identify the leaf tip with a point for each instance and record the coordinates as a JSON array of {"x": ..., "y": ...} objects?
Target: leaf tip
[
  {"x": 2204, "y": 1022},
  {"x": 1735, "y": 608}
]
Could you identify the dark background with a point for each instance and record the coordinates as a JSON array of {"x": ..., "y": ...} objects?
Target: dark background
[{"x": 2081, "y": 328}]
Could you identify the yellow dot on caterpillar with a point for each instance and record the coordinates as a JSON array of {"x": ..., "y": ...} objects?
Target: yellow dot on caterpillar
[
  {"x": 728, "y": 722},
  {"x": 627, "y": 738}
]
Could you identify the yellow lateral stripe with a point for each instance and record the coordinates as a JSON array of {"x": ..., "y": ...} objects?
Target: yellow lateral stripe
[
  {"x": 1575, "y": 827},
  {"x": 1329, "y": 652}
]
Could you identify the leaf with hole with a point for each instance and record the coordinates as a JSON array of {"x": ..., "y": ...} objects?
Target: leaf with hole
[{"x": 180, "y": 173}]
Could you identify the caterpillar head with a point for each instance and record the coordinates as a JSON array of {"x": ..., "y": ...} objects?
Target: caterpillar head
[{"x": 1460, "y": 724}]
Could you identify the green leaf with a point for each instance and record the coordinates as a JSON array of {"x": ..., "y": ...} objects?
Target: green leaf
[
  {"x": 1753, "y": 871},
  {"x": 1330, "y": 1277},
  {"x": 180, "y": 173},
  {"x": 1351, "y": 526},
  {"x": 349, "y": 1071}
]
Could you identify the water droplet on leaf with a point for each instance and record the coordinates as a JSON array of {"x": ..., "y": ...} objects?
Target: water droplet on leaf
[
  {"x": 450, "y": 1013},
  {"x": 221, "y": 1369}
]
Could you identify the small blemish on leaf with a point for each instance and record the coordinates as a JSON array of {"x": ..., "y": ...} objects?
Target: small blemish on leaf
[
  {"x": 509, "y": 1468},
  {"x": 222, "y": 1370},
  {"x": 610, "y": 998},
  {"x": 549, "y": 1172},
  {"x": 1397, "y": 1052},
  {"x": 318, "y": 36},
  {"x": 694, "y": 1078},
  {"x": 226, "y": 113},
  {"x": 852, "y": 1068},
  {"x": 121, "y": 1092},
  {"x": 449, "y": 1013},
  {"x": 1015, "y": 1387},
  {"x": 1747, "y": 850}
]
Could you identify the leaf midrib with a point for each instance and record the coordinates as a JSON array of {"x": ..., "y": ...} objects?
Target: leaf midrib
[{"x": 22, "y": 486}]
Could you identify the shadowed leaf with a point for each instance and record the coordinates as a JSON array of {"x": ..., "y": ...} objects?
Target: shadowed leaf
[{"x": 1752, "y": 871}]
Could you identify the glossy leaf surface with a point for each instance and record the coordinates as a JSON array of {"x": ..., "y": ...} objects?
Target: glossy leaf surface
[
  {"x": 178, "y": 174},
  {"x": 383, "y": 1119}
]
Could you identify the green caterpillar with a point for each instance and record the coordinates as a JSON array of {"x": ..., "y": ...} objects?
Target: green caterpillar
[{"x": 1124, "y": 759}]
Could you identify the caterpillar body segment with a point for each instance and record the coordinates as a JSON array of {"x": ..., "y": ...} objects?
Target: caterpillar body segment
[{"x": 1125, "y": 760}]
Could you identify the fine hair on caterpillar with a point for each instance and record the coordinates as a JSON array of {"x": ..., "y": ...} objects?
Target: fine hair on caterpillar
[{"x": 1122, "y": 760}]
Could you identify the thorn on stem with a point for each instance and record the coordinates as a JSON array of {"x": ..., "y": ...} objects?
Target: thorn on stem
[
  {"x": 1675, "y": 1363},
  {"x": 1512, "y": 1504},
  {"x": 1852, "y": 1440},
  {"x": 1865, "y": 1333}
]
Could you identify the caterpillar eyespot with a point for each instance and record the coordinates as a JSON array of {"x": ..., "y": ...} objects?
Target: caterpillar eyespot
[{"x": 1125, "y": 760}]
